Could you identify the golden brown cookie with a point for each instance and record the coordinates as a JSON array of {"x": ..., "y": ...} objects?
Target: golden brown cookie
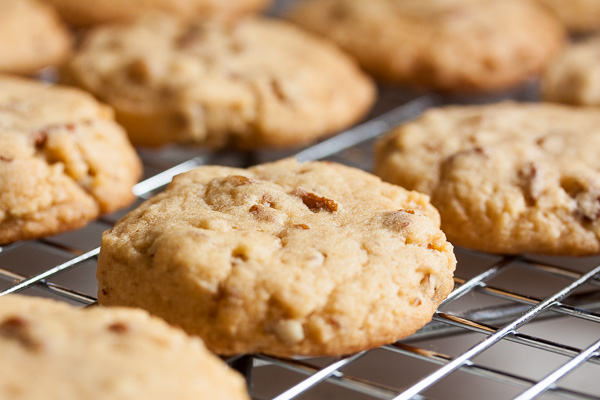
[
  {"x": 32, "y": 36},
  {"x": 574, "y": 76},
  {"x": 96, "y": 12},
  {"x": 579, "y": 16},
  {"x": 453, "y": 45},
  {"x": 249, "y": 84},
  {"x": 506, "y": 178},
  {"x": 282, "y": 258},
  {"x": 53, "y": 351},
  {"x": 63, "y": 160}
]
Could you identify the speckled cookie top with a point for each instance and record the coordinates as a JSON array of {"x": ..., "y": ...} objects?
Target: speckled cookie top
[
  {"x": 506, "y": 177},
  {"x": 454, "y": 45},
  {"x": 253, "y": 83},
  {"x": 32, "y": 36},
  {"x": 283, "y": 258},
  {"x": 63, "y": 159},
  {"x": 53, "y": 351}
]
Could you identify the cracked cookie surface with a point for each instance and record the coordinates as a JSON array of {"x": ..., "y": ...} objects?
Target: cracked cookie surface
[
  {"x": 32, "y": 36},
  {"x": 453, "y": 45},
  {"x": 282, "y": 258},
  {"x": 63, "y": 160},
  {"x": 253, "y": 83},
  {"x": 506, "y": 178},
  {"x": 101, "y": 354}
]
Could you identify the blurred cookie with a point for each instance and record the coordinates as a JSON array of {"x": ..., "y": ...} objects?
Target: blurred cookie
[
  {"x": 506, "y": 178},
  {"x": 282, "y": 258},
  {"x": 579, "y": 16},
  {"x": 574, "y": 76},
  {"x": 31, "y": 36},
  {"x": 248, "y": 84},
  {"x": 53, "y": 351},
  {"x": 88, "y": 13},
  {"x": 63, "y": 160},
  {"x": 453, "y": 45}
]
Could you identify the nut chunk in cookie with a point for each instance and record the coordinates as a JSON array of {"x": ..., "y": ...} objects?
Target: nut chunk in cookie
[
  {"x": 63, "y": 160},
  {"x": 282, "y": 258},
  {"x": 247, "y": 84},
  {"x": 103, "y": 354},
  {"x": 506, "y": 178}
]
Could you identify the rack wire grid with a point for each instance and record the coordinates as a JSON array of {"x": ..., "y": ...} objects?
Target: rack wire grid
[{"x": 515, "y": 327}]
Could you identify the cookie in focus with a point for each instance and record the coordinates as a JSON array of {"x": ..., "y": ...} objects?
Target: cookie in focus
[{"x": 283, "y": 258}]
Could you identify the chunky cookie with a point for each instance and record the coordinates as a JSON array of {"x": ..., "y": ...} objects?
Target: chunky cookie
[
  {"x": 63, "y": 160},
  {"x": 248, "y": 84},
  {"x": 454, "y": 45},
  {"x": 506, "y": 178},
  {"x": 88, "y": 13},
  {"x": 53, "y": 351},
  {"x": 282, "y": 258},
  {"x": 573, "y": 77},
  {"x": 579, "y": 16},
  {"x": 31, "y": 36}
]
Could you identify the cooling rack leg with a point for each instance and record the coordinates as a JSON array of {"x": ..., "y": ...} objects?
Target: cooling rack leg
[{"x": 244, "y": 366}]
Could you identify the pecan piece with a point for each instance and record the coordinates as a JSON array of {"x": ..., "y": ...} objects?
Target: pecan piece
[
  {"x": 139, "y": 71},
  {"x": 17, "y": 328},
  {"x": 238, "y": 180},
  {"x": 530, "y": 183},
  {"x": 315, "y": 203},
  {"x": 118, "y": 327},
  {"x": 39, "y": 139}
]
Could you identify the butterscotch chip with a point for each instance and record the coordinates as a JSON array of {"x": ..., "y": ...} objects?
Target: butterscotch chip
[
  {"x": 572, "y": 77},
  {"x": 506, "y": 178},
  {"x": 32, "y": 36},
  {"x": 102, "y": 354},
  {"x": 579, "y": 16},
  {"x": 63, "y": 160},
  {"x": 454, "y": 45},
  {"x": 88, "y": 13},
  {"x": 248, "y": 84},
  {"x": 269, "y": 264}
]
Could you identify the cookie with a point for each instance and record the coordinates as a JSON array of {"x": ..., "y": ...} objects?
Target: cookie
[
  {"x": 281, "y": 258},
  {"x": 579, "y": 16},
  {"x": 451, "y": 45},
  {"x": 506, "y": 178},
  {"x": 572, "y": 78},
  {"x": 253, "y": 83},
  {"x": 86, "y": 13},
  {"x": 32, "y": 36},
  {"x": 63, "y": 160},
  {"x": 53, "y": 351}
]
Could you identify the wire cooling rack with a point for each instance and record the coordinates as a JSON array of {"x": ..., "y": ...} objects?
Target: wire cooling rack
[{"x": 515, "y": 327}]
